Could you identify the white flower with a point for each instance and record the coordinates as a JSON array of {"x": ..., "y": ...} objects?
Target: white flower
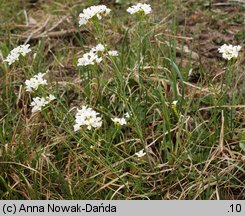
[
  {"x": 92, "y": 56},
  {"x": 144, "y": 8},
  {"x": 229, "y": 51},
  {"x": 174, "y": 103},
  {"x": 16, "y": 52},
  {"x": 38, "y": 103},
  {"x": 88, "y": 13},
  {"x": 140, "y": 154},
  {"x": 87, "y": 117},
  {"x": 98, "y": 59},
  {"x": 113, "y": 53},
  {"x": 77, "y": 127},
  {"x": 98, "y": 48},
  {"x": 127, "y": 115},
  {"x": 24, "y": 49},
  {"x": 39, "y": 78},
  {"x": 87, "y": 59},
  {"x": 119, "y": 121},
  {"x": 31, "y": 84},
  {"x": 50, "y": 98},
  {"x": 35, "y": 81}
]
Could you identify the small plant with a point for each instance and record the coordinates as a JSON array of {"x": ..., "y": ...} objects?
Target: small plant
[{"x": 106, "y": 108}]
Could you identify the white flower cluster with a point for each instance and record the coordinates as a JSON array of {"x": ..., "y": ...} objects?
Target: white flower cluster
[
  {"x": 140, "y": 8},
  {"x": 87, "y": 117},
  {"x": 14, "y": 55},
  {"x": 94, "y": 56},
  {"x": 38, "y": 103},
  {"x": 229, "y": 51},
  {"x": 35, "y": 81},
  {"x": 89, "y": 13},
  {"x": 113, "y": 53},
  {"x": 121, "y": 121},
  {"x": 89, "y": 59}
]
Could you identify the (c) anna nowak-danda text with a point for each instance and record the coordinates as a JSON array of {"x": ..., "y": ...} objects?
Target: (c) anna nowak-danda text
[{"x": 67, "y": 208}]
